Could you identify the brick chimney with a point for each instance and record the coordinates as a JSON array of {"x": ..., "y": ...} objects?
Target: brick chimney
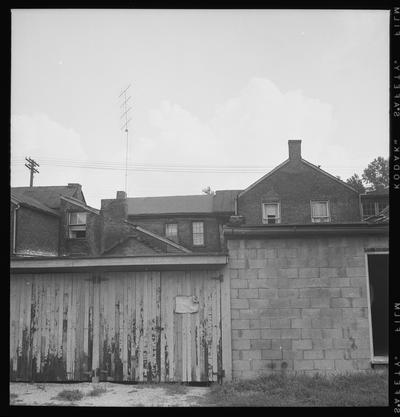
[
  {"x": 74, "y": 184},
  {"x": 294, "y": 149},
  {"x": 113, "y": 213}
]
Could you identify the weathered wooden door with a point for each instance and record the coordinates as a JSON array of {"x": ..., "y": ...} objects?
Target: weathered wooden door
[
  {"x": 191, "y": 343},
  {"x": 142, "y": 337},
  {"x": 51, "y": 322},
  {"x": 120, "y": 326}
]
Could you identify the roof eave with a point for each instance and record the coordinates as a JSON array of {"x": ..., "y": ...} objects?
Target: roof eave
[{"x": 303, "y": 230}]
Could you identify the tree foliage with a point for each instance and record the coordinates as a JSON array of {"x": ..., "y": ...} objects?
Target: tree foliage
[
  {"x": 356, "y": 182},
  {"x": 374, "y": 178},
  {"x": 376, "y": 175}
]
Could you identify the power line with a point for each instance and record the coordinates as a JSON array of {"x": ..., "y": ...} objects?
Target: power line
[{"x": 69, "y": 163}]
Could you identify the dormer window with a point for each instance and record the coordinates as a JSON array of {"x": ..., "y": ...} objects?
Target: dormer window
[
  {"x": 320, "y": 212},
  {"x": 271, "y": 213},
  {"x": 77, "y": 225}
]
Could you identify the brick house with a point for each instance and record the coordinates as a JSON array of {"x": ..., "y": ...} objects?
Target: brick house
[{"x": 308, "y": 278}]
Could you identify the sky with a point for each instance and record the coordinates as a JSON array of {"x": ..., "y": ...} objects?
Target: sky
[{"x": 215, "y": 96}]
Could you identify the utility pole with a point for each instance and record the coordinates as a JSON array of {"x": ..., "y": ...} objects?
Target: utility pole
[
  {"x": 124, "y": 117},
  {"x": 31, "y": 166}
]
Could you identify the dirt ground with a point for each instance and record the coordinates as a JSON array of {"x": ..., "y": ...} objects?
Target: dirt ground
[{"x": 106, "y": 394}]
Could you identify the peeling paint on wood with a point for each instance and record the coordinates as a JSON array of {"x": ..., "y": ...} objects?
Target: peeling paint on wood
[{"x": 120, "y": 326}]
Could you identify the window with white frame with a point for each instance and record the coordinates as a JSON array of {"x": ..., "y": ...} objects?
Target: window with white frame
[
  {"x": 198, "y": 233},
  {"x": 171, "y": 231},
  {"x": 77, "y": 225},
  {"x": 271, "y": 213},
  {"x": 320, "y": 212}
]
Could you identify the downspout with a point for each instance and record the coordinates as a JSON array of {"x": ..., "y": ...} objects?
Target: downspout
[
  {"x": 236, "y": 205},
  {"x": 14, "y": 244}
]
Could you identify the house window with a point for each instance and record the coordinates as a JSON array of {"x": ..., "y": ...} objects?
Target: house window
[
  {"x": 378, "y": 294},
  {"x": 373, "y": 208},
  {"x": 171, "y": 231},
  {"x": 368, "y": 208},
  {"x": 271, "y": 213},
  {"x": 198, "y": 233},
  {"x": 77, "y": 225},
  {"x": 320, "y": 212}
]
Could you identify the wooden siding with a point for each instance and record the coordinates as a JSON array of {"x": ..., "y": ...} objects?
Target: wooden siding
[{"x": 118, "y": 326}]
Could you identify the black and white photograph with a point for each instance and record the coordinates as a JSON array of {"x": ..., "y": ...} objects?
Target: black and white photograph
[{"x": 199, "y": 208}]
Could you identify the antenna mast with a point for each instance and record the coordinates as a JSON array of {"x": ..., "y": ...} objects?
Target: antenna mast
[{"x": 124, "y": 116}]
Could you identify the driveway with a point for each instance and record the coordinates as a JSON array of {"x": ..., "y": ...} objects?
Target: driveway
[{"x": 107, "y": 394}]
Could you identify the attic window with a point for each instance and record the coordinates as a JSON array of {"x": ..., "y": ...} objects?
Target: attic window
[
  {"x": 320, "y": 212},
  {"x": 271, "y": 213},
  {"x": 77, "y": 225}
]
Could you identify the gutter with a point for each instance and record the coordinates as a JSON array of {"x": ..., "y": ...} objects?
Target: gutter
[{"x": 304, "y": 230}]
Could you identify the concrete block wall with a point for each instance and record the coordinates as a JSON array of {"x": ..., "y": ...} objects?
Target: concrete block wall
[{"x": 299, "y": 304}]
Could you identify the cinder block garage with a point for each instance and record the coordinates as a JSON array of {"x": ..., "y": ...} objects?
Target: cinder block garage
[{"x": 308, "y": 298}]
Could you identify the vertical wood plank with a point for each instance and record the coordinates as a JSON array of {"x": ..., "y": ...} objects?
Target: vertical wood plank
[
  {"x": 162, "y": 330},
  {"x": 178, "y": 333},
  {"x": 20, "y": 315},
  {"x": 96, "y": 318},
  {"x": 131, "y": 327},
  {"x": 13, "y": 317},
  {"x": 86, "y": 325},
  {"x": 36, "y": 328},
  {"x": 23, "y": 354},
  {"x": 139, "y": 325},
  {"x": 125, "y": 294},
  {"x": 215, "y": 323},
  {"x": 226, "y": 325},
  {"x": 188, "y": 331}
]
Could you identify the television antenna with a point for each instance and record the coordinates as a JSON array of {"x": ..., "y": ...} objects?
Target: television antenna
[{"x": 125, "y": 119}]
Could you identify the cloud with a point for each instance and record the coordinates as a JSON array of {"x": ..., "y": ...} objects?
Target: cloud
[
  {"x": 251, "y": 128},
  {"x": 40, "y": 138}
]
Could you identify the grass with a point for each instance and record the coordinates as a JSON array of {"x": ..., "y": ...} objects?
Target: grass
[
  {"x": 69, "y": 395},
  {"x": 96, "y": 392},
  {"x": 174, "y": 389},
  {"x": 277, "y": 390}
]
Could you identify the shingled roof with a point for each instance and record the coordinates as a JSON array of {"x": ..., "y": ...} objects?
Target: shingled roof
[
  {"x": 221, "y": 202},
  {"x": 48, "y": 196},
  {"x": 27, "y": 201},
  {"x": 170, "y": 205}
]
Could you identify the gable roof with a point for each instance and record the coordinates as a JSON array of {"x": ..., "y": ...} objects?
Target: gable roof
[
  {"x": 47, "y": 195},
  {"x": 329, "y": 175},
  {"x": 309, "y": 164},
  {"x": 224, "y": 200},
  {"x": 170, "y": 205},
  {"x": 264, "y": 177},
  {"x": 27, "y": 201}
]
